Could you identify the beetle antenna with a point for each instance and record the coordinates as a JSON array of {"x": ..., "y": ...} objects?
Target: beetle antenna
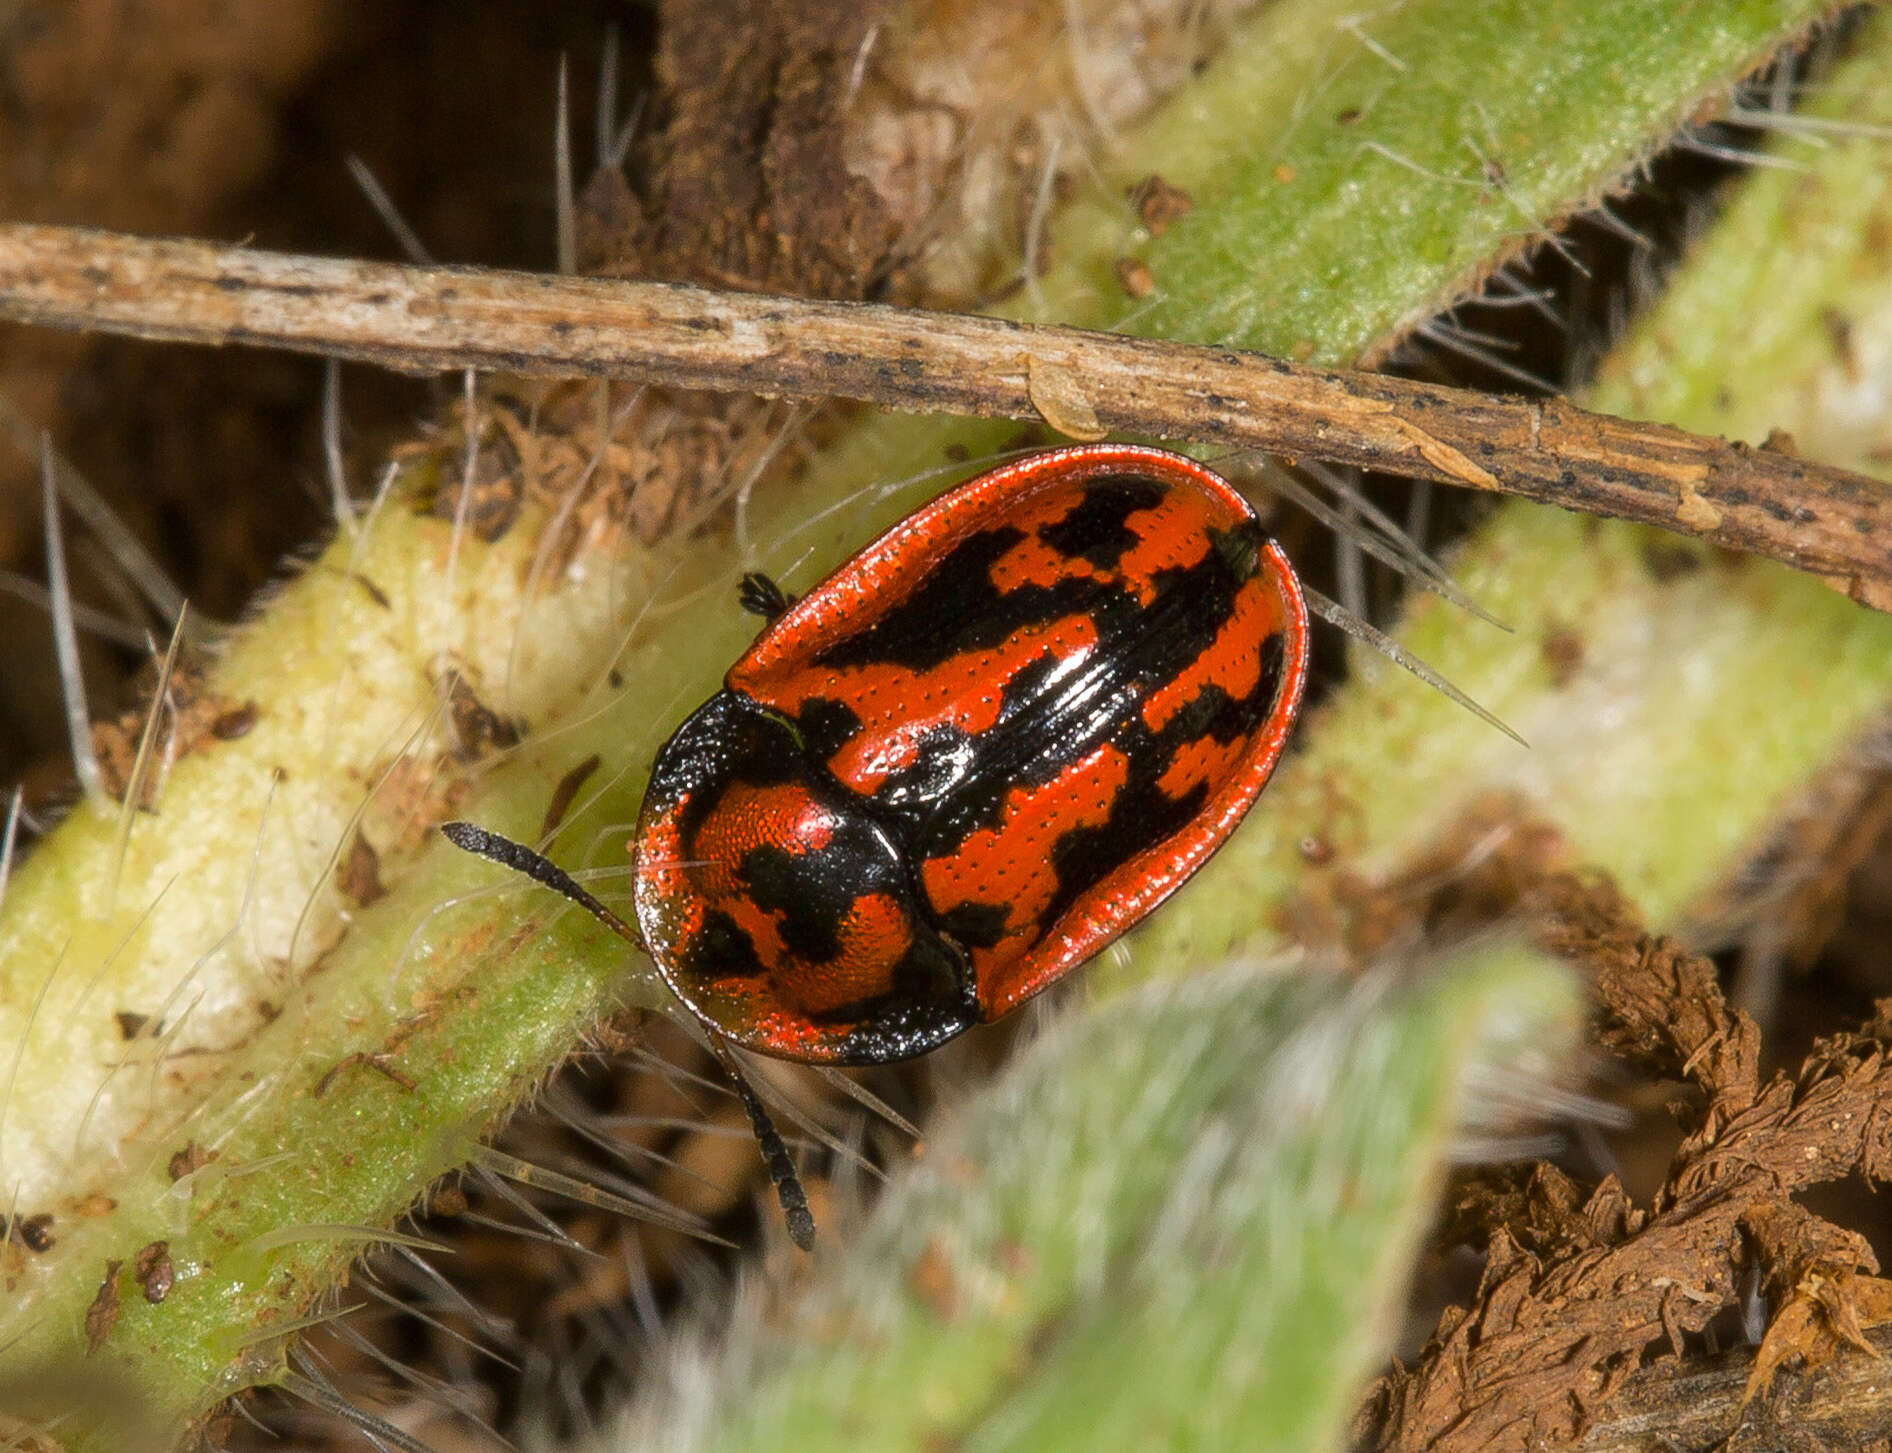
[
  {"x": 788, "y": 1189},
  {"x": 540, "y": 869}
]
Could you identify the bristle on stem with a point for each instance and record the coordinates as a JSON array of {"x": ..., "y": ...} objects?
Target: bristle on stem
[
  {"x": 85, "y": 764},
  {"x": 1338, "y": 615}
]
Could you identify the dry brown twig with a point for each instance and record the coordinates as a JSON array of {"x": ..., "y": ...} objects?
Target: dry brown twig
[{"x": 1833, "y": 523}]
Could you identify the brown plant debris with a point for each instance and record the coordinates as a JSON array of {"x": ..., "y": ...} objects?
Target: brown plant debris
[
  {"x": 1582, "y": 1287},
  {"x": 752, "y": 189},
  {"x": 565, "y": 791},
  {"x": 151, "y": 1268},
  {"x": 475, "y": 729},
  {"x": 605, "y": 459},
  {"x": 1671, "y": 1407},
  {"x": 1827, "y": 521},
  {"x": 1828, "y": 1311},
  {"x": 358, "y": 874},
  {"x": 192, "y": 1158},
  {"x": 102, "y": 1315},
  {"x": 1159, "y": 203},
  {"x": 189, "y": 718},
  {"x": 482, "y": 487}
]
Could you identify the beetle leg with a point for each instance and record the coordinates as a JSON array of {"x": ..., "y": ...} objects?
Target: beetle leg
[
  {"x": 541, "y": 869},
  {"x": 788, "y": 1189},
  {"x": 761, "y": 596}
]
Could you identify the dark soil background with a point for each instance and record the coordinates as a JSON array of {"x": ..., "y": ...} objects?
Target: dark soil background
[{"x": 235, "y": 121}]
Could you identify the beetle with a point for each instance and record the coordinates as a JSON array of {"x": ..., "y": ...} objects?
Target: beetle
[{"x": 964, "y": 763}]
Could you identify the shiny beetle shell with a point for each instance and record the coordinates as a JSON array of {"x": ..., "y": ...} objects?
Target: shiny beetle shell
[{"x": 972, "y": 756}]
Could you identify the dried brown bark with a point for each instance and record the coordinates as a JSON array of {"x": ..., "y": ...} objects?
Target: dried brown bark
[
  {"x": 1833, "y": 523},
  {"x": 1689, "y": 1409}
]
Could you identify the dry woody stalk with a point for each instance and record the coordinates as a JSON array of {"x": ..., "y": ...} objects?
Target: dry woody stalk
[{"x": 1830, "y": 522}]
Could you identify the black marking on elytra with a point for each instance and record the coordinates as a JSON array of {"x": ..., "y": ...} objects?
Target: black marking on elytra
[
  {"x": 1274, "y": 659},
  {"x": 955, "y": 609},
  {"x": 958, "y": 609},
  {"x": 903, "y": 1024},
  {"x": 958, "y": 783},
  {"x": 722, "y": 949},
  {"x": 1206, "y": 714},
  {"x": 1094, "y": 531},
  {"x": 1241, "y": 547},
  {"x": 976, "y": 925},
  {"x": 944, "y": 753},
  {"x": 1055, "y": 721},
  {"x": 1142, "y": 815},
  {"x": 1040, "y": 731},
  {"x": 811, "y": 892},
  {"x": 1053, "y": 714},
  {"x": 826, "y": 726}
]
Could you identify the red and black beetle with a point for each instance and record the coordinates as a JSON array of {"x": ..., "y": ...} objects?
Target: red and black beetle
[{"x": 964, "y": 763}]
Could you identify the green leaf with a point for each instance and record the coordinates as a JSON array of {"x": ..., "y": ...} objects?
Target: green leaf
[{"x": 1180, "y": 1220}]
